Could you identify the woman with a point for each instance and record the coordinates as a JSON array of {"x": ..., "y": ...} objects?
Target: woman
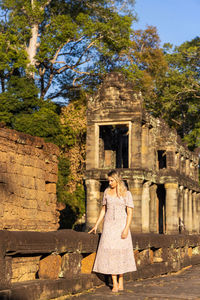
[{"x": 115, "y": 252}]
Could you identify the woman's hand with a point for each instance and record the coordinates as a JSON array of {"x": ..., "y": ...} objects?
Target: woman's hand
[
  {"x": 124, "y": 233},
  {"x": 93, "y": 229}
]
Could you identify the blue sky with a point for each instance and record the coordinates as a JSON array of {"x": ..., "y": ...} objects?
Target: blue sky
[{"x": 177, "y": 21}]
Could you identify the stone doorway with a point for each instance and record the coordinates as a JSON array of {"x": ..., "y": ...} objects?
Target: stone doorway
[
  {"x": 161, "y": 194},
  {"x": 114, "y": 146}
]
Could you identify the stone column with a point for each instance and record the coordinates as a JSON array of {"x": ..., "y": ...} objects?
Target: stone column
[
  {"x": 153, "y": 218},
  {"x": 152, "y": 150},
  {"x": 135, "y": 187},
  {"x": 177, "y": 161},
  {"x": 92, "y": 147},
  {"x": 145, "y": 147},
  {"x": 180, "y": 209},
  {"x": 187, "y": 167},
  {"x": 190, "y": 212},
  {"x": 93, "y": 198},
  {"x": 171, "y": 208},
  {"x": 136, "y": 137},
  {"x": 185, "y": 209},
  {"x": 145, "y": 206},
  {"x": 195, "y": 216},
  {"x": 196, "y": 172},
  {"x": 182, "y": 165}
]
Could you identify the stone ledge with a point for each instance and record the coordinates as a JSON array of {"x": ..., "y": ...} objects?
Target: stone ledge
[
  {"x": 48, "y": 289},
  {"x": 68, "y": 240}
]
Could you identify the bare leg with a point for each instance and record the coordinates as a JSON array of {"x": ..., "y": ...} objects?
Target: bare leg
[
  {"x": 115, "y": 283},
  {"x": 121, "y": 282}
]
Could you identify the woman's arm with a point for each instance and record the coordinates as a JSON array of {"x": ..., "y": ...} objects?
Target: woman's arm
[
  {"x": 128, "y": 222},
  {"x": 100, "y": 218}
]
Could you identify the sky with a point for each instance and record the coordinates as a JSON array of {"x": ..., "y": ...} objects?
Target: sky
[{"x": 177, "y": 21}]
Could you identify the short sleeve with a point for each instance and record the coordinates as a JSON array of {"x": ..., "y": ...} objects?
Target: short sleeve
[
  {"x": 129, "y": 200},
  {"x": 104, "y": 198}
]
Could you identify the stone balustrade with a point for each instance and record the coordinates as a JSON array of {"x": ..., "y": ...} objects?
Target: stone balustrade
[{"x": 47, "y": 265}]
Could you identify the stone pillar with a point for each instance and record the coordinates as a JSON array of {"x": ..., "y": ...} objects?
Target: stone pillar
[
  {"x": 187, "y": 167},
  {"x": 145, "y": 206},
  {"x": 185, "y": 209},
  {"x": 135, "y": 187},
  {"x": 136, "y": 137},
  {"x": 152, "y": 150},
  {"x": 145, "y": 147},
  {"x": 190, "y": 212},
  {"x": 180, "y": 209},
  {"x": 196, "y": 172},
  {"x": 182, "y": 166},
  {"x": 171, "y": 208},
  {"x": 92, "y": 147},
  {"x": 153, "y": 218},
  {"x": 195, "y": 216},
  {"x": 192, "y": 170},
  {"x": 177, "y": 161},
  {"x": 93, "y": 198}
]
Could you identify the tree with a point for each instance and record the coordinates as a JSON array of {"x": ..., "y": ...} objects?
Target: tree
[
  {"x": 144, "y": 63},
  {"x": 53, "y": 39},
  {"x": 169, "y": 80},
  {"x": 70, "y": 188},
  {"x": 23, "y": 110},
  {"x": 178, "y": 92}
]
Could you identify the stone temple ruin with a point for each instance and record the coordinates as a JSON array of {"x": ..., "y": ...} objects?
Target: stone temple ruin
[{"x": 158, "y": 168}]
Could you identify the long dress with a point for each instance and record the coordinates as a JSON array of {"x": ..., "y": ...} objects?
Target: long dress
[{"x": 115, "y": 255}]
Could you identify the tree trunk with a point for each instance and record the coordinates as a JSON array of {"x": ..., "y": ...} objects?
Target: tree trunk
[{"x": 32, "y": 48}]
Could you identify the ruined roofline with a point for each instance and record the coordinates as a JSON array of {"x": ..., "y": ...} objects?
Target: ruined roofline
[
  {"x": 170, "y": 133},
  {"x": 115, "y": 93}
]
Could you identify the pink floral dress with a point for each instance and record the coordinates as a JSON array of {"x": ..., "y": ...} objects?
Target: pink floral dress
[{"x": 115, "y": 255}]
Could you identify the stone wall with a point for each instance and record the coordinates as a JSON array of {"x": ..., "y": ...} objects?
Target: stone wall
[
  {"x": 39, "y": 265},
  {"x": 28, "y": 176}
]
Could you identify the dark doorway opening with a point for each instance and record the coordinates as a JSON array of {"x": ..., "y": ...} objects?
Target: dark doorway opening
[
  {"x": 161, "y": 194},
  {"x": 113, "y": 146},
  {"x": 162, "y": 160}
]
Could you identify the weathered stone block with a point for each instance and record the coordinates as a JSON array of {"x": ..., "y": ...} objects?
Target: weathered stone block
[
  {"x": 71, "y": 265},
  {"x": 157, "y": 255},
  {"x": 51, "y": 188},
  {"x": 49, "y": 267},
  {"x": 143, "y": 257},
  {"x": 50, "y": 177},
  {"x": 39, "y": 184},
  {"x": 87, "y": 263},
  {"x": 24, "y": 268}
]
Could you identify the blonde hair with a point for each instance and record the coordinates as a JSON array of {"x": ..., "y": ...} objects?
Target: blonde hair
[{"x": 121, "y": 188}]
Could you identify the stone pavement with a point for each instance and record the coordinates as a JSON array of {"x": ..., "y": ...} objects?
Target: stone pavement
[{"x": 184, "y": 285}]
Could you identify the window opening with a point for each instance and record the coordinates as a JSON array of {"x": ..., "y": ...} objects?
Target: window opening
[
  {"x": 113, "y": 146},
  {"x": 162, "y": 160}
]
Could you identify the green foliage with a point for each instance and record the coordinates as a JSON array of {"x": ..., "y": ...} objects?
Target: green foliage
[
  {"x": 178, "y": 93},
  {"x": 169, "y": 79},
  {"x": 60, "y": 40},
  {"x": 21, "y": 109},
  {"x": 75, "y": 202}
]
